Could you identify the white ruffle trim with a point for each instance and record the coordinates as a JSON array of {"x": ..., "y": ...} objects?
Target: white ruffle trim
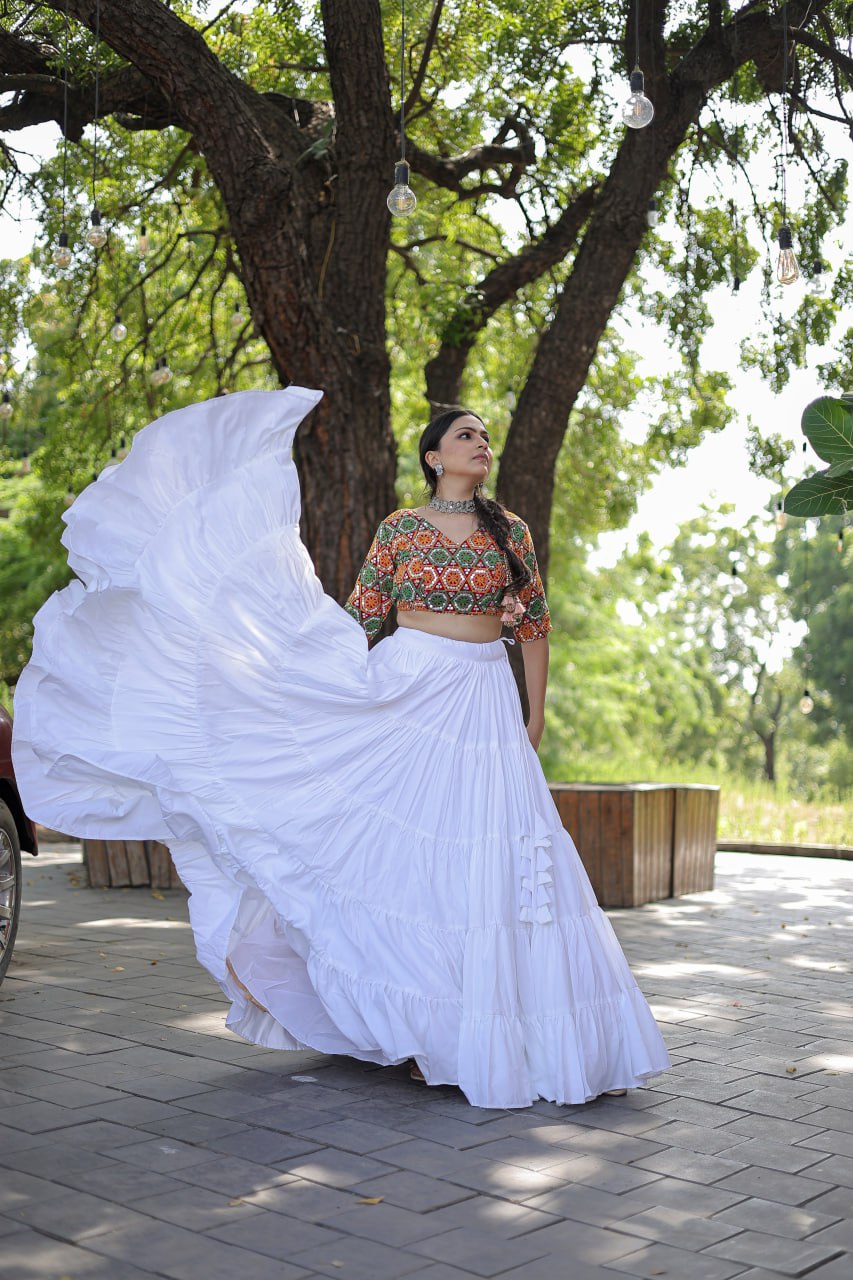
[{"x": 536, "y": 876}]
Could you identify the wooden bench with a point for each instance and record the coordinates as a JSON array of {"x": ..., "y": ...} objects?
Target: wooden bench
[
  {"x": 129, "y": 863},
  {"x": 642, "y": 841}
]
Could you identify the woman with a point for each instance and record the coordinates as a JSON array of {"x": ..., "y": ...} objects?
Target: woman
[{"x": 375, "y": 864}]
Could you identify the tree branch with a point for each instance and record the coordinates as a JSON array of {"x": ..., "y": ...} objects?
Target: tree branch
[
  {"x": 429, "y": 42},
  {"x": 504, "y": 281},
  {"x": 449, "y": 171}
]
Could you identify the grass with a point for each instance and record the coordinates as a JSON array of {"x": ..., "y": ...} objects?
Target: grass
[
  {"x": 754, "y": 812},
  {"x": 749, "y": 811}
]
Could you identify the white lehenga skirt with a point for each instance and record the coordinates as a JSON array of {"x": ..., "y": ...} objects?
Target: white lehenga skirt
[{"x": 367, "y": 836}]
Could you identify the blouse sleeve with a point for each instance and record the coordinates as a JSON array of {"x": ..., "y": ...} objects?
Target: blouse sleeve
[
  {"x": 370, "y": 598},
  {"x": 536, "y": 620}
]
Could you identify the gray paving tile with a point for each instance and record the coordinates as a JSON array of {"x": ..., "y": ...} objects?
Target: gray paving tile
[
  {"x": 12, "y": 1140},
  {"x": 98, "y": 1135},
  {"x": 839, "y": 1269},
  {"x": 586, "y": 1204},
  {"x": 501, "y": 1218},
  {"x": 334, "y": 1168},
  {"x": 790, "y": 1257},
  {"x": 352, "y": 1135},
  {"x": 163, "y": 1155},
  {"x": 675, "y": 1193},
  {"x": 479, "y": 1252},
  {"x": 583, "y": 1243},
  {"x": 35, "y": 1117},
  {"x": 197, "y": 1128},
  {"x": 232, "y": 1176},
  {"x": 770, "y": 1184},
  {"x": 17, "y": 1189},
  {"x": 773, "y": 1155},
  {"x": 431, "y": 1158},
  {"x": 666, "y": 1225},
  {"x": 28, "y": 1255},
  {"x": 775, "y": 1219},
  {"x": 360, "y": 1260},
  {"x": 838, "y": 1202},
  {"x": 693, "y": 1137},
  {"x": 835, "y": 1169},
  {"x": 606, "y": 1175},
  {"x": 262, "y": 1146},
  {"x": 276, "y": 1236},
  {"x": 692, "y": 1166},
  {"x": 75, "y": 1216},
  {"x": 829, "y": 1142},
  {"x": 185, "y": 1255},
  {"x": 840, "y": 1236},
  {"x": 123, "y": 1183},
  {"x": 307, "y": 1201},
  {"x": 388, "y": 1224},
  {"x": 415, "y": 1191},
  {"x": 660, "y": 1259},
  {"x": 550, "y": 1267},
  {"x": 196, "y": 1208}
]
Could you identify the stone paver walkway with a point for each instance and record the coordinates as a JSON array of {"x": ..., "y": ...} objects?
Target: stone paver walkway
[{"x": 139, "y": 1139}]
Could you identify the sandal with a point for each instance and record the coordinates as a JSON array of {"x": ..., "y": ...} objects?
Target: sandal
[{"x": 415, "y": 1072}]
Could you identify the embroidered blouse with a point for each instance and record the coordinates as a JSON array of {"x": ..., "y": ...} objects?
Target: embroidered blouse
[{"x": 412, "y": 564}]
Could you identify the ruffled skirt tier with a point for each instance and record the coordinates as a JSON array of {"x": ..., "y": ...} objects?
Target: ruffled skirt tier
[{"x": 367, "y": 836}]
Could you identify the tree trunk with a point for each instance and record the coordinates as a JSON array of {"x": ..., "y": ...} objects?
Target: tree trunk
[
  {"x": 311, "y": 230},
  {"x": 566, "y": 351},
  {"x": 769, "y": 742}
]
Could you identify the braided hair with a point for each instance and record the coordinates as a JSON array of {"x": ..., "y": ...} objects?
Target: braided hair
[{"x": 491, "y": 515}]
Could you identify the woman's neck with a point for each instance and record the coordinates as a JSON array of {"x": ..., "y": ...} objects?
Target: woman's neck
[{"x": 458, "y": 491}]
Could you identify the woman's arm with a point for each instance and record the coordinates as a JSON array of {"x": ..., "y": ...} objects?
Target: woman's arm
[{"x": 534, "y": 654}]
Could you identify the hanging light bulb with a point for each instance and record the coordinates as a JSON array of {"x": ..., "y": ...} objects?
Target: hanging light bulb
[
  {"x": 402, "y": 200},
  {"x": 118, "y": 332},
  {"x": 6, "y": 406},
  {"x": 806, "y": 703},
  {"x": 161, "y": 373},
  {"x": 96, "y": 235},
  {"x": 819, "y": 283},
  {"x": 781, "y": 518},
  {"x": 737, "y": 586},
  {"x": 62, "y": 255},
  {"x": 736, "y": 283},
  {"x": 122, "y": 447},
  {"x": 652, "y": 215},
  {"x": 142, "y": 242},
  {"x": 638, "y": 111},
  {"x": 25, "y": 462},
  {"x": 787, "y": 270},
  {"x": 839, "y": 546},
  {"x": 238, "y": 319}
]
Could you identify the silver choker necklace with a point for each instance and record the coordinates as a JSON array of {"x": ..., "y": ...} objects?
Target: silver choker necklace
[{"x": 452, "y": 507}]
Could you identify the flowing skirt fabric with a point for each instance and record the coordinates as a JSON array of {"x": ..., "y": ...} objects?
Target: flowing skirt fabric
[{"x": 367, "y": 836}]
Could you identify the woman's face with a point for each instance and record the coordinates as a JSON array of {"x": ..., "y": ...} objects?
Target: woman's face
[{"x": 464, "y": 450}]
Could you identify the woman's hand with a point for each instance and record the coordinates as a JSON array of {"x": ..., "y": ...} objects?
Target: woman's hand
[{"x": 535, "y": 729}]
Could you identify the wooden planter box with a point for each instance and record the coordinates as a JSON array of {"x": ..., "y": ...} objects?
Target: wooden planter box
[
  {"x": 642, "y": 841},
  {"x": 120, "y": 864}
]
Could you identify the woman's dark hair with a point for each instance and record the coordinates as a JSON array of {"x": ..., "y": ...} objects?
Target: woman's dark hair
[{"x": 491, "y": 514}]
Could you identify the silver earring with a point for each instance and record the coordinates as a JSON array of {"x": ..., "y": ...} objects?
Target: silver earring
[{"x": 438, "y": 469}]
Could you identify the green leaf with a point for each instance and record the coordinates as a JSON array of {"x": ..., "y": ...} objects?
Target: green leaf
[
  {"x": 828, "y": 425},
  {"x": 820, "y": 495},
  {"x": 840, "y": 468}
]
